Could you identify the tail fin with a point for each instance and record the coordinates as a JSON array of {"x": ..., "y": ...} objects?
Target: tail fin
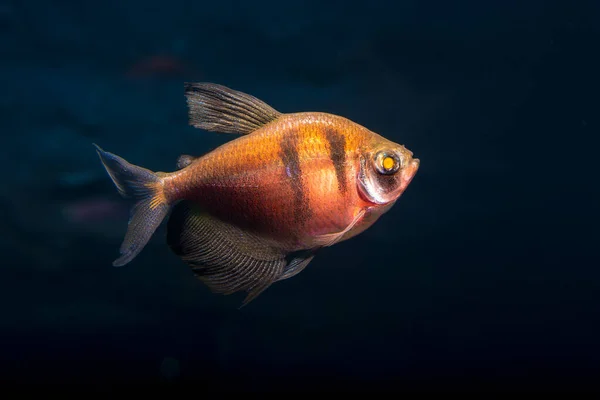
[{"x": 150, "y": 209}]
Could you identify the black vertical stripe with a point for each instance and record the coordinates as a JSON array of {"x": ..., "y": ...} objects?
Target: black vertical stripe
[
  {"x": 291, "y": 160},
  {"x": 337, "y": 154}
]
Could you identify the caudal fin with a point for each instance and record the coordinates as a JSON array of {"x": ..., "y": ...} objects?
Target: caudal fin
[{"x": 151, "y": 207}]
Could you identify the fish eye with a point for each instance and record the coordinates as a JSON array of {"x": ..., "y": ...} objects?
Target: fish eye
[{"x": 387, "y": 163}]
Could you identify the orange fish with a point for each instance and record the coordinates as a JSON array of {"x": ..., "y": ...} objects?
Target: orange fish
[{"x": 257, "y": 209}]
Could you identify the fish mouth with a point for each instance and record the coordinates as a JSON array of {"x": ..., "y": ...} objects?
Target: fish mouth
[{"x": 410, "y": 171}]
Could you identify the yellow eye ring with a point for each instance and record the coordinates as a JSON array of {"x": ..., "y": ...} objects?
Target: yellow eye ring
[{"x": 387, "y": 163}]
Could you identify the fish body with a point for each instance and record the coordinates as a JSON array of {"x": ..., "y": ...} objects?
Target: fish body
[
  {"x": 258, "y": 208},
  {"x": 292, "y": 180}
]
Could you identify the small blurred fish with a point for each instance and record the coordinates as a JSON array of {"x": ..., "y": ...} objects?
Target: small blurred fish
[
  {"x": 93, "y": 209},
  {"x": 257, "y": 209},
  {"x": 159, "y": 65}
]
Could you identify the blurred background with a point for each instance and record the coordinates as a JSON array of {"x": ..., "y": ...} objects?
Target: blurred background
[{"x": 484, "y": 274}]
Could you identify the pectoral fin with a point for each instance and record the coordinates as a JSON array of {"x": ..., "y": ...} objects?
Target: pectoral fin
[
  {"x": 297, "y": 264},
  {"x": 332, "y": 238}
]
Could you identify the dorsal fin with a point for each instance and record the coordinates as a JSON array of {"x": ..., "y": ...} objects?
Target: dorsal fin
[{"x": 217, "y": 108}]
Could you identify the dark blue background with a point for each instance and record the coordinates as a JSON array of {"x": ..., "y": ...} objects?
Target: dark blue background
[{"x": 485, "y": 273}]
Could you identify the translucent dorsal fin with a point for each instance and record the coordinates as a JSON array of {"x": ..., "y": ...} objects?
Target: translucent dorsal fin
[{"x": 217, "y": 108}]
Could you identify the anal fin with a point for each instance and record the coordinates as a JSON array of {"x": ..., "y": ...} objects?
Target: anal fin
[{"x": 226, "y": 258}]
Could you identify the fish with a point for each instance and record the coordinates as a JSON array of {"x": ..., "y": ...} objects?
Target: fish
[{"x": 257, "y": 209}]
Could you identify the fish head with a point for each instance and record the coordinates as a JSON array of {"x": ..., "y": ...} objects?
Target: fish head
[{"x": 386, "y": 170}]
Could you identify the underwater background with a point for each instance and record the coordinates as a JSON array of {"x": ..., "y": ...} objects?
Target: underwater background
[{"x": 484, "y": 274}]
